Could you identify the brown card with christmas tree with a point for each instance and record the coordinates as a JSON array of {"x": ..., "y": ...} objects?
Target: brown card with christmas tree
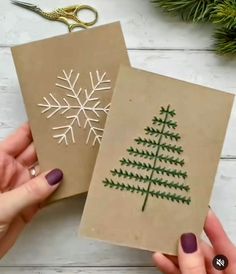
[
  {"x": 157, "y": 162},
  {"x": 67, "y": 84}
]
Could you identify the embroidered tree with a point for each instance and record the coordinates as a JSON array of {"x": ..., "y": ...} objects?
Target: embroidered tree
[{"x": 159, "y": 162}]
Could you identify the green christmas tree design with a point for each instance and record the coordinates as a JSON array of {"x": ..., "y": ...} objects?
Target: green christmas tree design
[{"x": 158, "y": 154}]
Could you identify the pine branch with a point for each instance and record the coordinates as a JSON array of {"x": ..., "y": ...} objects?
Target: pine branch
[
  {"x": 171, "y": 160},
  {"x": 150, "y": 155},
  {"x": 189, "y": 10},
  {"x": 136, "y": 189},
  {"x": 225, "y": 41},
  {"x": 167, "y": 134},
  {"x": 171, "y": 172},
  {"x": 148, "y": 167},
  {"x": 142, "y": 153},
  {"x": 224, "y": 13},
  {"x": 167, "y": 111},
  {"x": 169, "y": 123},
  {"x": 136, "y": 164},
  {"x": 146, "y": 179},
  {"x": 164, "y": 146},
  {"x": 172, "y": 148}
]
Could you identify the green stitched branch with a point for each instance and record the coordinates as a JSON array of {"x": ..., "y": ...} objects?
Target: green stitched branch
[
  {"x": 142, "y": 191},
  {"x": 171, "y": 148},
  {"x": 150, "y": 155},
  {"x": 171, "y": 160},
  {"x": 164, "y": 146},
  {"x": 148, "y": 167},
  {"x": 171, "y": 172},
  {"x": 169, "y": 123},
  {"x": 167, "y": 134},
  {"x": 142, "y": 153},
  {"x": 145, "y": 179},
  {"x": 167, "y": 111}
]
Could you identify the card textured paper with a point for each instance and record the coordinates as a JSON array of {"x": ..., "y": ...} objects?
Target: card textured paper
[
  {"x": 157, "y": 161},
  {"x": 67, "y": 84}
]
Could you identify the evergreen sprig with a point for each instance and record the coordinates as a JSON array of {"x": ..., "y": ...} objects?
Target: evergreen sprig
[
  {"x": 189, "y": 10},
  {"x": 137, "y": 189},
  {"x": 225, "y": 14},
  {"x": 145, "y": 179},
  {"x": 222, "y": 13},
  {"x": 225, "y": 41}
]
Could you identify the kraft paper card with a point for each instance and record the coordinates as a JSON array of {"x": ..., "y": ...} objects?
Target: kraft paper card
[
  {"x": 157, "y": 162},
  {"x": 67, "y": 84}
]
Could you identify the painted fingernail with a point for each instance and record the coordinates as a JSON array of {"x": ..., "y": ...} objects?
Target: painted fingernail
[
  {"x": 189, "y": 242},
  {"x": 54, "y": 177}
]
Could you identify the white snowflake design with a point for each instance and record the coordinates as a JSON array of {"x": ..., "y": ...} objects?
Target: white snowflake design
[{"x": 82, "y": 110}]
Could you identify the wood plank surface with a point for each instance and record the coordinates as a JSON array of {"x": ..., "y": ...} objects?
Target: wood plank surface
[
  {"x": 79, "y": 270},
  {"x": 157, "y": 42}
]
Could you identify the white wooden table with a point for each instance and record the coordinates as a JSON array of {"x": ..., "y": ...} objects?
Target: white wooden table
[{"x": 156, "y": 42}]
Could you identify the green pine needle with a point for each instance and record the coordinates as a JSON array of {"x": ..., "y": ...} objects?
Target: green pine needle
[
  {"x": 224, "y": 13},
  {"x": 189, "y": 10},
  {"x": 225, "y": 41}
]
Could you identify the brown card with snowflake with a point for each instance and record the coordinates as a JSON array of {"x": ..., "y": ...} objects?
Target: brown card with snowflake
[
  {"x": 67, "y": 84},
  {"x": 157, "y": 162}
]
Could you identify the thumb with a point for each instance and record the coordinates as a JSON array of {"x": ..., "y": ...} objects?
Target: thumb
[
  {"x": 191, "y": 260},
  {"x": 28, "y": 194}
]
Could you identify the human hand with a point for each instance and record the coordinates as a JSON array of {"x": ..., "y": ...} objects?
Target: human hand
[
  {"x": 20, "y": 194},
  {"x": 196, "y": 256}
]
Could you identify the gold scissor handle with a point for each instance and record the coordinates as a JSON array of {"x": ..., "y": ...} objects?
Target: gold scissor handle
[{"x": 72, "y": 13}]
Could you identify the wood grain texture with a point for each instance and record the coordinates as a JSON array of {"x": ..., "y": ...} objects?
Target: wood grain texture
[
  {"x": 143, "y": 25},
  {"x": 158, "y": 43},
  {"x": 80, "y": 270}
]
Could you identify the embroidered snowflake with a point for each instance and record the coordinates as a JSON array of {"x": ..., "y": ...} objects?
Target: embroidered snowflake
[{"x": 81, "y": 107}]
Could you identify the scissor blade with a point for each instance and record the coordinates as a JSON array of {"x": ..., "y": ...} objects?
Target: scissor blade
[{"x": 24, "y": 4}]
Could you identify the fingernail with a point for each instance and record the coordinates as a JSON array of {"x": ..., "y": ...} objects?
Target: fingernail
[
  {"x": 54, "y": 177},
  {"x": 189, "y": 242}
]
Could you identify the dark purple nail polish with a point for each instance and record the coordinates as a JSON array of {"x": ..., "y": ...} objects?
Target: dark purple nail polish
[
  {"x": 54, "y": 177},
  {"x": 189, "y": 242}
]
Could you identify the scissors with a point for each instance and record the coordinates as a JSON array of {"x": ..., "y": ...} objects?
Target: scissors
[{"x": 64, "y": 15}]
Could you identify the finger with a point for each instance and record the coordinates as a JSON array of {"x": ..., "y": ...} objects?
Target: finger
[
  {"x": 164, "y": 264},
  {"x": 11, "y": 236},
  {"x": 28, "y": 157},
  {"x": 216, "y": 234},
  {"x": 30, "y": 193},
  {"x": 174, "y": 259},
  {"x": 191, "y": 259},
  {"x": 209, "y": 255},
  {"x": 28, "y": 213},
  {"x": 17, "y": 142},
  {"x": 220, "y": 240}
]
